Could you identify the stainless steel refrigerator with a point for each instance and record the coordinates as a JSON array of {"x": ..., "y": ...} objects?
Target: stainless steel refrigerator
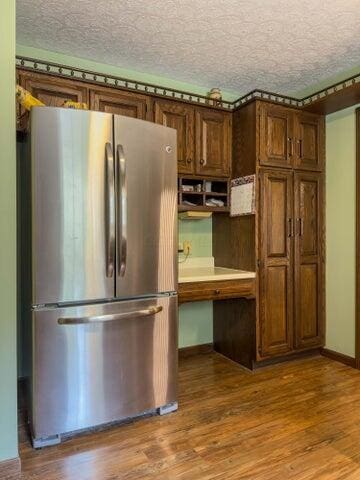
[{"x": 102, "y": 265}]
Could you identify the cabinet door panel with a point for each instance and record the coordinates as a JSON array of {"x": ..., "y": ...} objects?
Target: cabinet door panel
[
  {"x": 310, "y": 142},
  {"x": 213, "y": 143},
  {"x": 276, "y": 136},
  {"x": 309, "y": 298},
  {"x": 54, "y": 92},
  {"x": 276, "y": 270},
  {"x": 308, "y": 326},
  {"x": 308, "y": 214},
  {"x": 277, "y": 217},
  {"x": 180, "y": 117},
  {"x": 275, "y": 329},
  {"x": 120, "y": 103}
]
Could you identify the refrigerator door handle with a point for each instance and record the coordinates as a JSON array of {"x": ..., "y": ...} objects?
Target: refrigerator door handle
[
  {"x": 110, "y": 210},
  {"x": 110, "y": 318},
  {"x": 122, "y": 209}
]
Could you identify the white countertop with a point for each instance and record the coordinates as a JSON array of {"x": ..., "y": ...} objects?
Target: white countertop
[
  {"x": 208, "y": 274},
  {"x": 202, "y": 269}
]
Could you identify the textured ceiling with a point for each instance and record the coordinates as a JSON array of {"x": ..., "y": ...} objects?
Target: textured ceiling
[{"x": 238, "y": 45}]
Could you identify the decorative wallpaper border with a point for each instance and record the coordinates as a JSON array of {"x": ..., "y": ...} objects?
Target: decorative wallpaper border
[{"x": 75, "y": 73}]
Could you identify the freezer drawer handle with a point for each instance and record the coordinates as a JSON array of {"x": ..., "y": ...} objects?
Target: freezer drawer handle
[
  {"x": 110, "y": 211},
  {"x": 122, "y": 209},
  {"x": 110, "y": 318}
]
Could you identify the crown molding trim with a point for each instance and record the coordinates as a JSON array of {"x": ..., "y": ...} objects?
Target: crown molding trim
[{"x": 114, "y": 81}]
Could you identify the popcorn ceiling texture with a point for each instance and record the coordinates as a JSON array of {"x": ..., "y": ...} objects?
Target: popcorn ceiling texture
[{"x": 238, "y": 45}]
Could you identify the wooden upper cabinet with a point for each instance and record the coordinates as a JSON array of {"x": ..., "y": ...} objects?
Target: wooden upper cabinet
[
  {"x": 120, "y": 103},
  {"x": 310, "y": 142},
  {"x": 276, "y": 277},
  {"x": 213, "y": 143},
  {"x": 204, "y": 134},
  {"x": 181, "y": 117},
  {"x": 53, "y": 91},
  {"x": 309, "y": 281},
  {"x": 276, "y": 146}
]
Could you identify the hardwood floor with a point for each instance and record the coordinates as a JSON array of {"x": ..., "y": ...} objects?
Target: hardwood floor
[{"x": 298, "y": 420}]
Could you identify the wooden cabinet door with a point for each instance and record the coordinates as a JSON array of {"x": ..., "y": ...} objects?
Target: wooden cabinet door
[
  {"x": 309, "y": 282},
  {"x": 276, "y": 148},
  {"x": 120, "y": 103},
  {"x": 310, "y": 141},
  {"x": 180, "y": 117},
  {"x": 213, "y": 143},
  {"x": 52, "y": 91},
  {"x": 276, "y": 265}
]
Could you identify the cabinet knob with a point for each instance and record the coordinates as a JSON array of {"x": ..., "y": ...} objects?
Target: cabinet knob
[
  {"x": 188, "y": 160},
  {"x": 202, "y": 161},
  {"x": 217, "y": 292}
]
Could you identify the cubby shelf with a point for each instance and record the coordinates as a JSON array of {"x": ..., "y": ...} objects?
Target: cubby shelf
[{"x": 200, "y": 195}]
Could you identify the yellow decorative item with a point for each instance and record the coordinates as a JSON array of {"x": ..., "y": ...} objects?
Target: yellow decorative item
[
  {"x": 26, "y": 100},
  {"x": 76, "y": 105}
]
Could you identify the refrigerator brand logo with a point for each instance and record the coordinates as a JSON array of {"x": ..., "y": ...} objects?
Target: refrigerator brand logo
[{"x": 168, "y": 149}]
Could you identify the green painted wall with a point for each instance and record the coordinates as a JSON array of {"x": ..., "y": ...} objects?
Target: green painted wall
[
  {"x": 199, "y": 232},
  {"x": 196, "y": 319},
  {"x": 55, "y": 57},
  {"x": 8, "y": 406},
  {"x": 340, "y": 231},
  {"x": 195, "y": 324}
]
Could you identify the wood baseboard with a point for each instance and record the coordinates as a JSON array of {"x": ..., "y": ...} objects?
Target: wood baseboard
[
  {"x": 339, "y": 357},
  {"x": 186, "y": 352}
]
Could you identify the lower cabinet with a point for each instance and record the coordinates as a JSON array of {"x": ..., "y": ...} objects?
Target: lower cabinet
[{"x": 291, "y": 298}]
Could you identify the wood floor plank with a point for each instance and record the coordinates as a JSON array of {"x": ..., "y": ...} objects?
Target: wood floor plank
[{"x": 294, "y": 421}]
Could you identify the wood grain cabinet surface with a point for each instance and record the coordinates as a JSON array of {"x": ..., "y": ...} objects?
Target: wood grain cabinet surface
[
  {"x": 276, "y": 136},
  {"x": 291, "y": 261},
  {"x": 216, "y": 290},
  {"x": 276, "y": 278},
  {"x": 181, "y": 117},
  {"x": 120, "y": 103},
  {"x": 204, "y": 137},
  {"x": 285, "y": 148},
  {"x": 290, "y": 138},
  {"x": 204, "y": 133},
  {"x": 53, "y": 91},
  {"x": 213, "y": 143},
  {"x": 309, "y": 282},
  {"x": 309, "y": 135}
]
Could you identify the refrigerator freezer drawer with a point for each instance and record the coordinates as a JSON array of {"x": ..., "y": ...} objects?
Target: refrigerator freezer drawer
[{"x": 101, "y": 363}]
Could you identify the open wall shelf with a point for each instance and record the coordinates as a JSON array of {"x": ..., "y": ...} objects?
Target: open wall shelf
[{"x": 204, "y": 194}]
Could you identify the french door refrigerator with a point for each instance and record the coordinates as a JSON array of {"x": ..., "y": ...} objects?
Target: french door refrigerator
[{"x": 103, "y": 269}]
